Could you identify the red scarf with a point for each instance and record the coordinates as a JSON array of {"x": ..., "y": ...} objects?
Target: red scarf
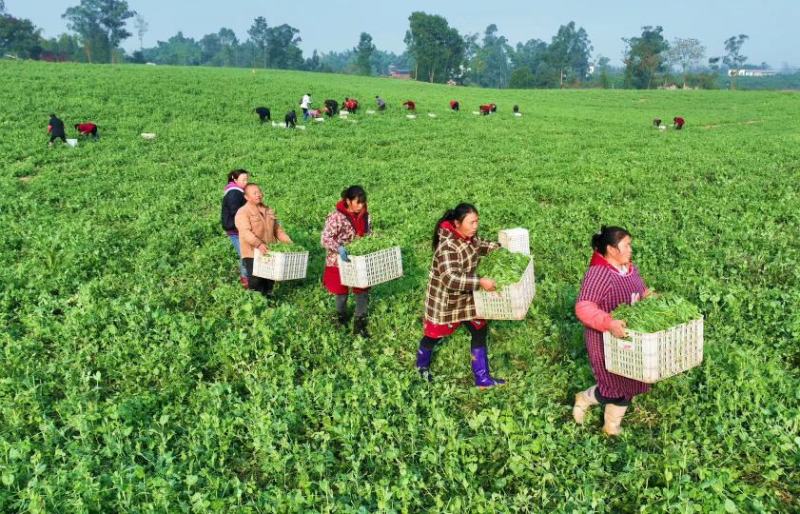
[
  {"x": 447, "y": 225},
  {"x": 599, "y": 260},
  {"x": 359, "y": 221}
]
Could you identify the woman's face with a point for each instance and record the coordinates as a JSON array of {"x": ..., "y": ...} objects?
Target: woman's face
[
  {"x": 253, "y": 194},
  {"x": 468, "y": 227},
  {"x": 623, "y": 252},
  {"x": 355, "y": 205},
  {"x": 241, "y": 181}
]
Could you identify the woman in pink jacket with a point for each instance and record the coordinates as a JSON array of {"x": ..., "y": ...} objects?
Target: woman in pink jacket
[{"x": 612, "y": 279}]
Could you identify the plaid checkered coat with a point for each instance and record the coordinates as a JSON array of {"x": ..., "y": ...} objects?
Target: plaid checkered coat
[{"x": 453, "y": 279}]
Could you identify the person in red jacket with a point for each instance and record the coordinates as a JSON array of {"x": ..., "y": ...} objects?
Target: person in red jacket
[
  {"x": 87, "y": 129},
  {"x": 348, "y": 221},
  {"x": 487, "y": 109},
  {"x": 351, "y": 104},
  {"x": 410, "y": 105},
  {"x": 678, "y": 122},
  {"x": 454, "y": 105}
]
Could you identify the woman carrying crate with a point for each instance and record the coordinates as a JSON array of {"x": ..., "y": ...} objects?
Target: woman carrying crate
[
  {"x": 258, "y": 227},
  {"x": 449, "y": 302},
  {"x": 612, "y": 279},
  {"x": 232, "y": 201},
  {"x": 349, "y": 220}
]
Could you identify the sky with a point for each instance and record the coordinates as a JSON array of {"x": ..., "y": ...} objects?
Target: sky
[{"x": 334, "y": 25}]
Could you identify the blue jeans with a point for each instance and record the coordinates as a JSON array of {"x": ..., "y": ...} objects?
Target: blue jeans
[{"x": 235, "y": 241}]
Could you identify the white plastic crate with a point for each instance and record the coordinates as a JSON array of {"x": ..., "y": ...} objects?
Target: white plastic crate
[
  {"x": 371, "y": 269},
  {"x": 512, "y": 302},
  {"x": 651, "y": 357},
  {"x": 515, "y": 240},
  {"x": 72, "y": 142},
  {"x": 280, "y": 266}
]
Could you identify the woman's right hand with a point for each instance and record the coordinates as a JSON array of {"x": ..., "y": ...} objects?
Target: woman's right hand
[
  {"x": 487, "y": 284},
  {"x": 617, "y": 328},
  {"x": 263, "y": 249}
]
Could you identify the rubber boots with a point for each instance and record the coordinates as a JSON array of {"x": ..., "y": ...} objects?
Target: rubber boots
[
  {"x": 424, "y": 357},
  {"x": 480, "y": 369},
  {"x": 360, "y": 326},
  {"x": 583, "y": 401},
  {"x": 613, "y": 419}
]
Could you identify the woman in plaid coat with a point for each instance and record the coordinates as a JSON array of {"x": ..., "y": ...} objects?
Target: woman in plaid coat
[
  {"x": 348, "y": 221},
  {"x": 612, "y": 279},
  {"x": 449, "y": 302}
]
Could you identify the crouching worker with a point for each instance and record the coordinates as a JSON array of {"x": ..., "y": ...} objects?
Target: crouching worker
[
  {"x": 348, "y": 221},
  {"x": 87, "y": 129},
  {"x": 263, "y": 114},
  {"x": 331, "y": 107},
  {"x": 487, "y": 109},
  {"x": 657, "y": 122},
  {"x": 380, "y": 103},
  {"x": 258, "y": 227},
  {"x": 449, "y": 302},
  {"x": 612, "y": 279},
  {"x": 678, "y": 122},
  {"x": 454, "y": 105},
  {"x": 290, "y": 119},
  {"x": 410, "y": 105},
  {"x": 55, "y": 127}
]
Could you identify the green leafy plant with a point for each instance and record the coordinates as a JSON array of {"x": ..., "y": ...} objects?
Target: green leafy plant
[
  {"x": 656, "y": 312},
  {"x": 504, "y": 267}
]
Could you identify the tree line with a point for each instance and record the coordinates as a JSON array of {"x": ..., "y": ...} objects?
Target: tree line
[{"x": 435, "y": 52}]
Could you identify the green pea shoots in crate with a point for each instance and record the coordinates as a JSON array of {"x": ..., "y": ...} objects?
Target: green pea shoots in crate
[
  {"x": 371, "y": 260},
  {"x": 283, "y": 261},
  {"x": 625, "y": 363},
  {"x": 511, "y": 268}
]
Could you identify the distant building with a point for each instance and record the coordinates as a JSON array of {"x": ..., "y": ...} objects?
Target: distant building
[
  {"x": 397, "y": 73},
  {"x": 752, "y": 73}
]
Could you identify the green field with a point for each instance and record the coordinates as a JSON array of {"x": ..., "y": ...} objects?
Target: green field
[{"x": 138, "y": 376}]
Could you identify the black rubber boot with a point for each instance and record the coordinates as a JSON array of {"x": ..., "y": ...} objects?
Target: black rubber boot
[{"x": 360, "y": 327}]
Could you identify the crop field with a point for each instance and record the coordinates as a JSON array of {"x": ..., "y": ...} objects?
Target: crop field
[{"x": 137, "y": 375}]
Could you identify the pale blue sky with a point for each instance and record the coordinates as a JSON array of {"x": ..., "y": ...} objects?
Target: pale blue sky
[{"x": 328, "y": 25}]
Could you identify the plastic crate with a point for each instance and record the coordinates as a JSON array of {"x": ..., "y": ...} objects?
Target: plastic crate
[
  {"x": 371, "y": 269},
  {"x": 512, "y": 302},
  {"x": 515, "y": 240},
  {"x": 280, "y": 266},
  {"x": 651, "y": 357}
]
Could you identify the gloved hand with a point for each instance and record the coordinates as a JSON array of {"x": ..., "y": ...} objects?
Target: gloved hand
[{"x": 343, "y": 253}]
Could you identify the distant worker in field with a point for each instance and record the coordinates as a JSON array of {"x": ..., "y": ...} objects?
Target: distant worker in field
[
  {"x": 315, "y": 113},
  {"x": 351, "y": 104},
  {"x": 305, "y": 104},
  {"x": 258, "y": 228},
  {"x": 232, "y": 201},
  {"x": 657, "y": 122},
  {"x": 454, "y": 105},
  {"x": 515, "y": 109},
  {"x": 290, "y": 119},
  {"x": 410, "y": 105},
  {"x": 263, "y": 114},
  {"x": 678, "y": 122},
  {"x": 380, "y": 103},
  {"x": 55, "y": 127},
  {"x": 449, "y": 301},
  {"x": 348, "y": 221},
  {"x": 87, "y": 129},
  {"x": 331, "y": 107},
  {"x": 487, "y": 109},
  {"x": 611, "y": 280}
]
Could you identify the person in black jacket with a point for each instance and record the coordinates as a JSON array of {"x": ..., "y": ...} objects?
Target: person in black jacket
[
  {"x": 263, "y": 114},
  {"x": 290, "y": 119},
  {"x": 331, "y": 107},
  {"x": 232, "y": 200},
  {"x": 55, "y": 128}
]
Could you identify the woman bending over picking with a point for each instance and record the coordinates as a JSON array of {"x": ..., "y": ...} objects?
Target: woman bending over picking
[
  {"x": 612, "y": 279},
  {"x": 449, "y": 302},
  {"x": 348, "y": 221}
]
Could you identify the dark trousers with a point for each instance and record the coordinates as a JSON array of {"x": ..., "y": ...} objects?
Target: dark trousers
[
  {"x": 478, "y": 337},
  {"x": 62, "y": 137},
  {"x": 262, "y": 285}
]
